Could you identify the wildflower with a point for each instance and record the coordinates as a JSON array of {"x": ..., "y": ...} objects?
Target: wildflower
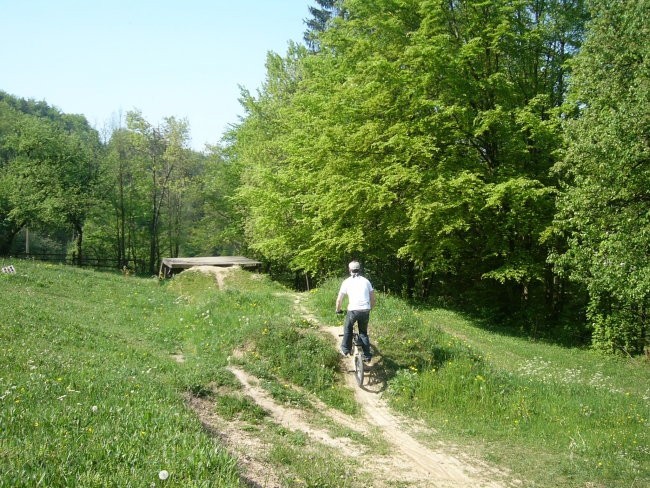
[{"x": 94, "y": 408}]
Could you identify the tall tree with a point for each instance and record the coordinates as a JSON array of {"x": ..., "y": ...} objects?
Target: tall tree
[
  {"x": 421, "y": 133},
  {"x": 162, "y": 152},
  {"x": 267, "y": 194},
  {"x": 10, "y": 223},
  {"x": 487, "y": 79},
  {"x": 321, "y": 17},
  {"x": 604, "y": 210},
  {"x": 50, "y": 169},
  {"x": 146, "y": 178},
  {"x": 218, "y": 227}
]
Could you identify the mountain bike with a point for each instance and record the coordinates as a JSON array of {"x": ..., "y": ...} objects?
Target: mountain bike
[{"x": 357, "y": 356}]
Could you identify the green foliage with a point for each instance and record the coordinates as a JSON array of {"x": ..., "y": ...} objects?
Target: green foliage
[
  {"x": 48, "y": 168},
  {"x": 415, "y": 135},
  {"x": 217, "y": 227},
  {"x": 161, "y": 199},
  {"x": 142, "y": 195},
  {"x": 420, "y": 134},
  {"x": 604, "y": 209}
]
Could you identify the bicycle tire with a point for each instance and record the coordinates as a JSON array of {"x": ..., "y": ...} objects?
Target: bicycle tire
[{"x": 359, "y": 368}]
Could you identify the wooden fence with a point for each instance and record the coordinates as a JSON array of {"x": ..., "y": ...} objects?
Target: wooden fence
[{"x": 86, "y": 261}]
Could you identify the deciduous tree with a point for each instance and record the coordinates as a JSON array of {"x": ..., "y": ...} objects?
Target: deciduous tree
[{"x": 604, "y": 210}]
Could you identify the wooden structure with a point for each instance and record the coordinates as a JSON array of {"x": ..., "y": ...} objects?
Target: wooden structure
[{"x": 169, "y": 266}]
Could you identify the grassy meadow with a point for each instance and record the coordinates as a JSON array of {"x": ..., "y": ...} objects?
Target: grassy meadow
[
  {"x": 555, "y": 416},
  {"x": 92, "y": 391}
]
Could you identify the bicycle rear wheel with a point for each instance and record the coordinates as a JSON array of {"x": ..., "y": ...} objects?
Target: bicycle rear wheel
[{"x": 359, "y": 368}]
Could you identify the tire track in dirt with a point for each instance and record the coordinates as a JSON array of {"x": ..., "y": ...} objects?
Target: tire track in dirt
[
  {"x": 291, "y": 418},
  {"x": 437, "y": 468},
  {"x": 406, "y": 463}
]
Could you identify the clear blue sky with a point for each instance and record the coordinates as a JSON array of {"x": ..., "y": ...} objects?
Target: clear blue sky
[{"x": 182, "y": 58}]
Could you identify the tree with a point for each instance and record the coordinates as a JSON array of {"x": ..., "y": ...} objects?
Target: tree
[
  {"x": 114, "y": 229},
  {"x": 49, "y": 170},
  {"x": 161, "y": 151},
  {"x": 268, "y": 196},
  {"x": 321, "y": 17},
  {"x": 604, "y": 209},
  {"x": 218, "y": 228},
  {"x": 421, "y": 133},
  {"x": 10, "y": 224},
  {"x": 149, "y": 175}
]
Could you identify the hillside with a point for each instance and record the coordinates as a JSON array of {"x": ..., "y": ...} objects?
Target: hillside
[{"x": 233, "y": 380}]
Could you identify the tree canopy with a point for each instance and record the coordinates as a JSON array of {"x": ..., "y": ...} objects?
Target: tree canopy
[
  {"x": 421, "y": 134},
  {"x": 487, "y": 154},
  {"x": 604, "y": 208}
]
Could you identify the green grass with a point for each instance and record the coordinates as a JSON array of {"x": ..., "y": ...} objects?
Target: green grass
[
  {"x": 90, "y": 396},
  {"x": 555, "y": 416},
  {"x": 294, "y": 353},
  {"x": 92, "y": 392}
]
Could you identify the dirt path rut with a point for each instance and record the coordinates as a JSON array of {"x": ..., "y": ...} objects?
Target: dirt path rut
[
  {"x": 427, "y": 467},
  {"x": 405, "y": 462}
]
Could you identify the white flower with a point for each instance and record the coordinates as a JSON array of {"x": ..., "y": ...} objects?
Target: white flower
[{"x": 94, "y": 408}]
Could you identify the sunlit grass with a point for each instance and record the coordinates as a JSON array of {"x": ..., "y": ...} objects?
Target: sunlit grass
[
  {"x": 96, "y": 368},
  {"x": 90, "y": 396}
]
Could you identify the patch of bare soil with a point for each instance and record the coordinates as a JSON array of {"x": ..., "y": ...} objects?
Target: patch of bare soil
[
  {"x": 241, "y": 442},
  {"x": 406, "y": 462}
]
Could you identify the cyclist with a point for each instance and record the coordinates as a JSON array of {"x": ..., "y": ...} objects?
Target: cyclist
[{"x": 361, "y": 299}]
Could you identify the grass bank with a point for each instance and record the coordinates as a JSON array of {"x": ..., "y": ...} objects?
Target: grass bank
[
  {"x": 90, "y": 396},
  {"x": 555, "y": 416},
  {"x": 96, "y": 370},
  {"x": 96, "y": 367}
]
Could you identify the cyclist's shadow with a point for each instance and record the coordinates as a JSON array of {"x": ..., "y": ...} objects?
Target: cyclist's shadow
[{"x": 376, "y": 374}]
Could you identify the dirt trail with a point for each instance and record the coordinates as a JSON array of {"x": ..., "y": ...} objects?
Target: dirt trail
[
  {"x": 435, "y": 467},
  {"x": 431, "y": 468},
  {"x": 408, "y": 462}
]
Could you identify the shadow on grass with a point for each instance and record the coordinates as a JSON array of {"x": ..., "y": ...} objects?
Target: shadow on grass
[{"x": 567, "y": 330}]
